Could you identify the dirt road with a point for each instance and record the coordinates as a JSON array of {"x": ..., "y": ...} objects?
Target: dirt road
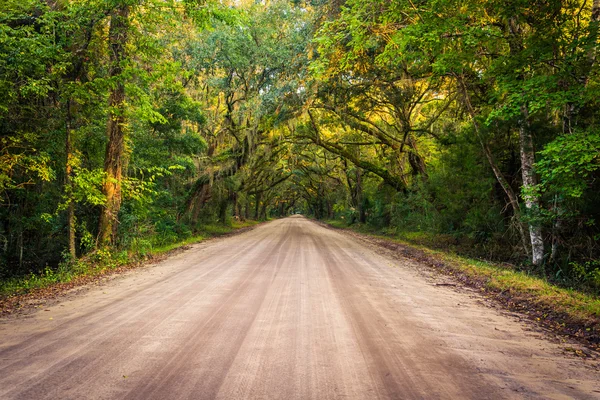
[{"x": 290, "y": 310}]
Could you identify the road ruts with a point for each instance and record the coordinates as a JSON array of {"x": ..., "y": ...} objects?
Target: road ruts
[{"x": 289, "y": 310}]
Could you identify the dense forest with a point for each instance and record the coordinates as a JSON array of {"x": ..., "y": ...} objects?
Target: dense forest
[{"x": 128, "y": 124}]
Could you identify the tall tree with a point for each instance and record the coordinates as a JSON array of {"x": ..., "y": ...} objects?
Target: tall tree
[{"x": 115, "y": 148}]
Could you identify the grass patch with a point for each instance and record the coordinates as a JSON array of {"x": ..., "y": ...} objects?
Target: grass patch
[
  {"x": 578, "y": 305},
  {"x": 206, "y": 232},
  {"x": 104, "y": 261}
]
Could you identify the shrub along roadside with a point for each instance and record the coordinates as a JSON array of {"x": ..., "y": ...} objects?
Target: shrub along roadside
[
  {"x": 15, "y": 292},
  {"x": 564, "y": 311}
]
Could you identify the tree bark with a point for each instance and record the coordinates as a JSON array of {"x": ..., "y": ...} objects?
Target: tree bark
[
  {"x": 362, "y": 215},
  {"x": 223, "y": 206},
  {"x": 281, "y": 210},
  {"x": 69, "y": 183},
  {"x": 233, "y": 196},
  {"x": 532, "y": 201},
  {"x": 201, "y": 194},
  {"x": 115, "y": 148},
  {"x": 416, "y": 162},
  {"x": 263, "y": 211},
  {"x": 257, "y": 198}
]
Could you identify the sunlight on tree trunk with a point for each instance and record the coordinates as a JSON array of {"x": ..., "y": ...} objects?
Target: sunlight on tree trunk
[{"x": 115, "y": 147}]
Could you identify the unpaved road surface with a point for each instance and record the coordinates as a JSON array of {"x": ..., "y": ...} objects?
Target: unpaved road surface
[{"x": 290, "y": 310}]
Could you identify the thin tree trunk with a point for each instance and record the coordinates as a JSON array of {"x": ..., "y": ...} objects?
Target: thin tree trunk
[
  {"x": 263, "y": 211},
  {"x": 362, "y": 215},
  {"x": 556, "y": 228},
  {"x": 233, "y": 196},
  {"x": 351, "y": 188},
  {"x": 20, "y": 246},
  {"x": 257, "y": 206},
  {"x": 115, "y": 148},
  {"x": 532, "y": 201},
  {"x": 508, "y": 190},
  {"x": 223, "y": 206},
  {"x": 69, "y": 183},
  {"x": 281, "y": 209}
]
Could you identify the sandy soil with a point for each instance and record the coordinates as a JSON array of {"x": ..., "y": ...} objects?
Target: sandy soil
[{"x": 289, "y": 310}]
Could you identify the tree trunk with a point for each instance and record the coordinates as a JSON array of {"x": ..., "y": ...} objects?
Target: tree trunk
[
  {"x": 263, "y": 211},
  {"x": 69, "y": 183},
  {"x": 233, "y": 196},
  {"x": 532, "y": 201},
  {"x": 281, "y": 209},
  {"x": 508, "y": 190},
  {"x": 247, "y": 207},
  {"x": 20, "y": 245},
  {"x": 113, "y": 161},
  {"x": 556, "y": 228},
  {"x": 362, "y": 215},
  {"x": 415, "y": 160},
  {"x": 197, "y": 202},
  {"x": 223, "y": 206},
  {"x": 257, "y": 206}
]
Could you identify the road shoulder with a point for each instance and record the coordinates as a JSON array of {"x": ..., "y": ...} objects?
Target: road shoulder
[
  {"x": 29, "y": 302},
  {"x": 568, "y": 322}
]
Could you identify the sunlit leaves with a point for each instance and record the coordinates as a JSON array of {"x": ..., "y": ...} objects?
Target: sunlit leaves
[
  {"x": 567, "y": 164},
  {"x": 20, "y": 164}
]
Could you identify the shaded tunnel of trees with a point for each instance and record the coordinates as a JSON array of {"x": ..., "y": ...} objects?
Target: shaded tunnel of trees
[{"x": 126, "y": 124}]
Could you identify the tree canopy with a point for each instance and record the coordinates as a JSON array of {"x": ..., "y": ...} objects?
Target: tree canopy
[{"x": 127, "y": 124}]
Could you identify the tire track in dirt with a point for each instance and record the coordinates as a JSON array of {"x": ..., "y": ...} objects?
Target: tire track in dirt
[{"x": 289, "y": 310}]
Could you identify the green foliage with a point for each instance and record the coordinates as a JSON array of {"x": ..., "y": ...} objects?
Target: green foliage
[
  {"x": 569, "y": 163},
  {"x": 87, "y": 187},
  {"x": 585, "y": 274},
  {"x": 21, "y": 165},
  {"x": 511, "y": 82},
  {"x": 401, "y": 116}
]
